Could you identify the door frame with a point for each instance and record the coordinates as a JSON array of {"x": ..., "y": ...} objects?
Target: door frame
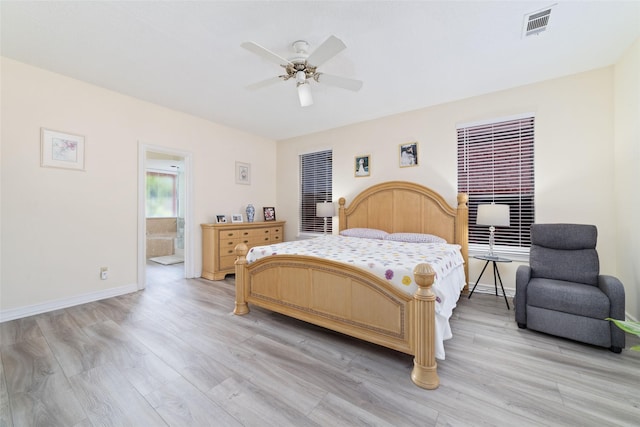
[{"x": 143, "y": 149}]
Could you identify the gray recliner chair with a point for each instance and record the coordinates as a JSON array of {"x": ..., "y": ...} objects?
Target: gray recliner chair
[{"x": 561, "y": 292}]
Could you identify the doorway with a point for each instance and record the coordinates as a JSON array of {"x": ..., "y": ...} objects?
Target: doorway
[{"x": 164, "y": 223}]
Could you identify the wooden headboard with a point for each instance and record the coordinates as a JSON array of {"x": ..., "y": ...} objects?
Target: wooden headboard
[{"x": 406, "y": 207}]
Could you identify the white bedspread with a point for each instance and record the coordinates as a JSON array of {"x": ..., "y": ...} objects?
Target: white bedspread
[{"x": 391, "y": 261}]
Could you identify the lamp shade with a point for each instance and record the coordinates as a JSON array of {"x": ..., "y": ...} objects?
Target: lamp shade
[
  {"x": 495, "y": 215},
  {"x": 304, "y": 94},
  {"x": 325, "y": 210}
]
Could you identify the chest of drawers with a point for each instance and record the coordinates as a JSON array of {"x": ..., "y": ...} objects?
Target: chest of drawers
[{"x": 219, "y": 242}]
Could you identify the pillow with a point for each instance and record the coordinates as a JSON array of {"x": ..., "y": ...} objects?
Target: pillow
[
  {"x": 414, "y": 238},
  {"x": 367, "y": 233}
]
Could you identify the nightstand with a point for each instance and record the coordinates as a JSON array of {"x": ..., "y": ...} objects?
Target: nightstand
[{"x": 496, "y": 274}]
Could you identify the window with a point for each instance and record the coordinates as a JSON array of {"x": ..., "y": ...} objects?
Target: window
[
  {"x": 316, "y": 184},
  {"x": 495, "y": 164},
  {"x": 161, "y": 195}
]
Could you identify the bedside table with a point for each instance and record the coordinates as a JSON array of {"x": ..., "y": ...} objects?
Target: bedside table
[{"x": 496, "y": 274}]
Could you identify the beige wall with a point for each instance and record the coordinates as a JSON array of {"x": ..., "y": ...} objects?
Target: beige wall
[
  {"x": 574, "y": 154},
  {"x": 627, "y": 174},
  {"x": 60, "y": 226}
]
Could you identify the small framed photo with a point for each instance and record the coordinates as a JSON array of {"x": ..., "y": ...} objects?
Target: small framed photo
[
  {"x": 61, "y": 150},
  {"x": 269, "y": 213},
  {"x": 221, "y": 219},
  {"x": 243, "y": 173},
  {"x": 236, "y": 218},
  {"x": 408, "y": 154},
  {"x": 363, "y": 166}
]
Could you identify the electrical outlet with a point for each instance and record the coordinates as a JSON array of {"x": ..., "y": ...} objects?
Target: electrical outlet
[{"x": 104, "y": 273}]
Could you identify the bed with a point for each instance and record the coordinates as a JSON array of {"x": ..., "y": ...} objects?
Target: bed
[{"x": 351, "y": 300}]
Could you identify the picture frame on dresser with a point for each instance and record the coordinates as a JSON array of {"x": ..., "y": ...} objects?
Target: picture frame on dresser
[
  {"x": 269, "y": 213},
  {"x": 221, "y": 219},
  {"x": 236, "y": 218}
]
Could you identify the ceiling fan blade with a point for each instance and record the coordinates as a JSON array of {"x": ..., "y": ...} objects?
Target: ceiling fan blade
[
  {"x": 264, "y": 83},
  {"x": 265, "y": 53},
  {"x": 327, "y": 50},
  {"x": 341, "y": 82}
]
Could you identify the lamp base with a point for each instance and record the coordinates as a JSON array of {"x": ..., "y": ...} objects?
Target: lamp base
[{"x": 490, "y": 254}]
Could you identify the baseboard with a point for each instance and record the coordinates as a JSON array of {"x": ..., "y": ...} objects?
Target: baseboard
[
  {"x": 30, "y": 310},
  {"x": 483, "y": 288}
]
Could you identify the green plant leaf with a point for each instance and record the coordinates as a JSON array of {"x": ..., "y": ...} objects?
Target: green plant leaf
[{"x": 630, "y": 327}]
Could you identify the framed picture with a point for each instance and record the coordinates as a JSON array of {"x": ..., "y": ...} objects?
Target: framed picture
[
  {"x": 61, "y": 150},
  {"x": 269, "y": 214},
  {"x": 236, "y": 218},
  {"x": 363, "y": 166},
  {"x": 243, "y": 173},
  {"x": 409, "y": 154},
  {"x": 221, "y": 219}
]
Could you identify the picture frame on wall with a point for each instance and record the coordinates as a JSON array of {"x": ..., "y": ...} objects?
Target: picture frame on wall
[
  {"x": 243, "y": 173},
  {"x": 363, "y": 166},
  {"x": 408, "y": 154},
  {"x": 221, "y": 219},
  {"x": 61, "y": 150},
  {"x": 269, "y": 213},
  {"x": 236, "y": 218}
]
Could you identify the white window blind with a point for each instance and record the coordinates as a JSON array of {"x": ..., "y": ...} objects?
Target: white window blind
[
  {"x": 316, "y": 185},
  {"x": 496, "y": 164}
]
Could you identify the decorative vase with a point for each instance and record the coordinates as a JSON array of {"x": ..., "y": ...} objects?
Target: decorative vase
[{"x": 251, "y": 212}]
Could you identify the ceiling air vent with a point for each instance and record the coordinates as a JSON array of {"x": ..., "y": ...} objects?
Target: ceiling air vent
[{"x": 536, "y": 22}]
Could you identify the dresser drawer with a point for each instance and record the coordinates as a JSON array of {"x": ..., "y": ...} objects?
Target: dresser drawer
[
  {"x": 229, "y": 234},
  {"x": 275, "y": 238},
  {"x": 228, "y": 244},
  {"x": 227, "y": 262},
  {"x": 228, "y": 249}
]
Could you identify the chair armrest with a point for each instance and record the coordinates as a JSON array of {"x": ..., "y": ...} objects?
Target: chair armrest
[
  {"x": 523, "y": 275},
  {"x": 614, "y": 290}
]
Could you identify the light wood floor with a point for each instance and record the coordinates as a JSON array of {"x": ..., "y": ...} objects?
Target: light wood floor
[{"x": 175, "y": 355}]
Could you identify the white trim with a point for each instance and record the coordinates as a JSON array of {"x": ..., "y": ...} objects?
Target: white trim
[
  {"x": 189, "y": 231},
  {"x": 495, "y": 120},
  {"x": 484, "y": 288},
  {"x": 30, "y": 310}
]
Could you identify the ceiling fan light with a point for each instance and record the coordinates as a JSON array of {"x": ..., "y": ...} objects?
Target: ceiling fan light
[
  {"x": 301, "y": 77},
  {"x": 304, "y": 94}
]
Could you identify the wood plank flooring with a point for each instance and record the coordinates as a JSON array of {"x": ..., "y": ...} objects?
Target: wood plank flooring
[{"x": 175, "y": 355}]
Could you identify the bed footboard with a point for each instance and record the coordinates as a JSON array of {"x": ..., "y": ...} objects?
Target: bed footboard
[{"x": 347, "y": 300}]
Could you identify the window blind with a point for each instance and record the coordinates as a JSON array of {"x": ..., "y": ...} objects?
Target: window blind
[
  {"x": 316, "y": 185},
  {"x": 496, "y": 164}
]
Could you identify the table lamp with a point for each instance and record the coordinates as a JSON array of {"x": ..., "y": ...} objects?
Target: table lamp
[
  {"x": 493, "y": 215},
  {"x": 325, "y": 210}
]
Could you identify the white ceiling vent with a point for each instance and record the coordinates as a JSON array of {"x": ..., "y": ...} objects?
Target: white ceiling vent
[{"x": 536, "y": 22}]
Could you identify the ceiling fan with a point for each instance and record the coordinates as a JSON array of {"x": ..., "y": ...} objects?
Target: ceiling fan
[{"x": 303, "y": 67}]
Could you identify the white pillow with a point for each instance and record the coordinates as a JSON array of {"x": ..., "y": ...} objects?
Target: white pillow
[
  {"x": 367, "y": 233},
  {"x": 414, "y": 238}
]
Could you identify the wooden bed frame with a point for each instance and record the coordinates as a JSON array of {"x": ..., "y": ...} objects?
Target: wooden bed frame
[{"x": 352, "y": 301}]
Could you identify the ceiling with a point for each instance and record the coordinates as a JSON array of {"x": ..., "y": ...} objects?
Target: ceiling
[{"x": 409, "y": 54}]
